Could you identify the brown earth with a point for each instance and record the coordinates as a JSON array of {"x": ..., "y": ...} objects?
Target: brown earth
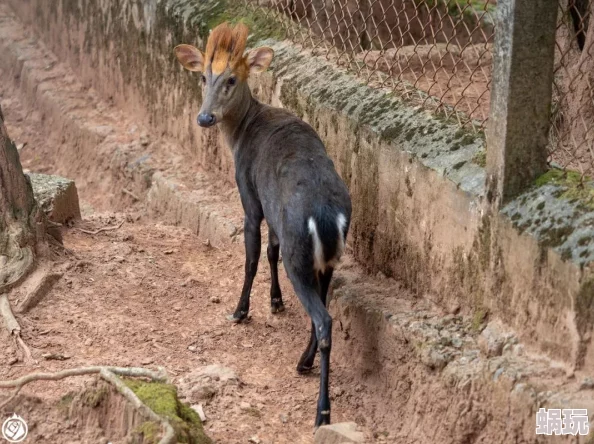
[{"x": 150, "y": 295}]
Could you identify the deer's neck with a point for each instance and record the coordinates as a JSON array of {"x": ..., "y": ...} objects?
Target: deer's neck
[{"x": 235, "y": 122}]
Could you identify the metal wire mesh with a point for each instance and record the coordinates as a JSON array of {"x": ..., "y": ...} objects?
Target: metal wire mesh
[
  {"x": 436, "y": 52},
  {"x": 572, "y": 124}
]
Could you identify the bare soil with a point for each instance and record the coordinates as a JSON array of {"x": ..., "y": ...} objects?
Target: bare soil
[{"x": 151, "y": 295}]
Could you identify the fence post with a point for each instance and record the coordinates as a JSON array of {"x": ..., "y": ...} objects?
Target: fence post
[{"x": 517, "y": 132}]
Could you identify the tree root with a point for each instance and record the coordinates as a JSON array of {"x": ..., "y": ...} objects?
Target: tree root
[
  {"x": 169, "y": 434},
  {"x": 130, "y": 193},
  {"x": 36, "y": 287},
  {"x": 16, "y": 270},
  {"x": 101, "y": 230},
  {"x": 109, "y": 375},
  {"x": 14, "y": 328}
]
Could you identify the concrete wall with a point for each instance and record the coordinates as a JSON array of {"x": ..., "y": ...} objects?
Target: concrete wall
[{"x": 416, "y": 190}]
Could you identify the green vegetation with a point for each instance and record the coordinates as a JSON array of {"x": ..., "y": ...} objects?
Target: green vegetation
[
  {"x": 478, "y": 318},
  {"x": 480, "y": 158},
  {"x": 470, "y": 8},
  {"x": 93, "y": 398},
  {"x": 162, "y": 399},
  {"x": 577, "y": 188},
  {"x": 260, "y": 22}
]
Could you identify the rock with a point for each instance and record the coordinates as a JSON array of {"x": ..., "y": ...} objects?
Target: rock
[
  {"x": 202, "y": 393},
  {"x": 457, "y": 342},
  {"x": 198, "y": 409},
  {"x": 245, "y": 405},
  {"x": 218, "y": 373},
  {"x": 491, "y": 341},
  {"x": 434, "y": 359},
  {"x": 587, "y": 384},
  {"x": 57, "y": 197},
  {"x": 254, "y": 440},
  {"x": 188, "y": 281},
  {"x": 340, "y": 433},
  {"x": 215, "y": 300}
]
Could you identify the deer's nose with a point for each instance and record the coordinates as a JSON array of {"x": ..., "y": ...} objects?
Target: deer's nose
[{"x": 206, "y": 120}]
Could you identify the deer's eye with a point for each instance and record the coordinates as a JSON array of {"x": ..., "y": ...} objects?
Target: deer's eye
[
  {"x": 231, "y": 81},
  {"x": 203, "y": 79}
]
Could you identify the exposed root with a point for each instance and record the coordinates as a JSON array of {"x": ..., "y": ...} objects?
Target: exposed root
[
  {"x": 101, "y": 230},
  {"x": 14, "y": 328},
  {"x": 38, "y": 288},
  {"x": 17, "y": 268},
  {"x": 169, "y": 434},
  {"x": 130, "y": 193},
  {"x": 136, "y": 372}
]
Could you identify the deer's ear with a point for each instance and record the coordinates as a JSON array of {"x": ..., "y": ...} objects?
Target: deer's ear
[
  {"x": 259, "y": 59},
  {"x": 191, "y": 58}
]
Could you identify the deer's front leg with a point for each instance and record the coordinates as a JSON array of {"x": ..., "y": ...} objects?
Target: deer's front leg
[{"x": 253, "y": 245}]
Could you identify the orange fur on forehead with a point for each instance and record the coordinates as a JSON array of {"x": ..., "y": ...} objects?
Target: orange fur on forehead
[{"x": 225, "y": 47}]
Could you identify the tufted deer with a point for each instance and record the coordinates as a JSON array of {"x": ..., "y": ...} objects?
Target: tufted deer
[{"x": 284, "y": 176}]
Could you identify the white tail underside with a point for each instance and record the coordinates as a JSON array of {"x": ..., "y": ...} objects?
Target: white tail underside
[{"x": 320, "y": 264}]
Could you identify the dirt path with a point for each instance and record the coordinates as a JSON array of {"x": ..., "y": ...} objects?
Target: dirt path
[{"x": 154, "y": 295}]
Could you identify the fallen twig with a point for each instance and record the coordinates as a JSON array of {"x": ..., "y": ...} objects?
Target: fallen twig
[
  {"x": 19, "y": 383},
  {"x": 101, "y": 230},
  {"x": 130, "y": 193},
  {"x": 14, "y": 329}
]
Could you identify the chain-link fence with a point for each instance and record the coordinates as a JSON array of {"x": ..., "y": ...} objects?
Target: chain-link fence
[
  {"x": 436, "y": 52},
  {"x": 572, "y": 129}
]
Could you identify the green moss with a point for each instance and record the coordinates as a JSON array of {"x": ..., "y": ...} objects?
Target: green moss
[
  {"x": 65, "y": 402},
  {"x": 149, "y": 431},
  {"x": 467, "y": 139},
  {"x": 94, "y": 397},
  {"x": 392, "y": 132},
  {"x": 410, "y": 134},
  {"x": 478, "y": 318},
  {"x": 460, "y": 133},
  {"x": 162, "y": 399},
  {"x": 459, "y": 165},
  {"x": 480, "y": 158},
  {"x": 584, "y": 306},
  {"x": 576, "y": 187},
  {"x": 554, "y": 237}
]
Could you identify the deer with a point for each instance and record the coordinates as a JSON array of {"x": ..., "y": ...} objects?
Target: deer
[{"x": 285, "y": 177}]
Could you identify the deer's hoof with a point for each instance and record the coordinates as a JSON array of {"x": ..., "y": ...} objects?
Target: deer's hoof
[
  {"x": 322, "y": 418},
  {"x": 277, "y": 307},
  {"x": 303, "y": 369},
  {"x": 236, "y": 319}
]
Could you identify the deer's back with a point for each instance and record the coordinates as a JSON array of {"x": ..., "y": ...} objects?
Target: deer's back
[{"x": 283, "y": 159}]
